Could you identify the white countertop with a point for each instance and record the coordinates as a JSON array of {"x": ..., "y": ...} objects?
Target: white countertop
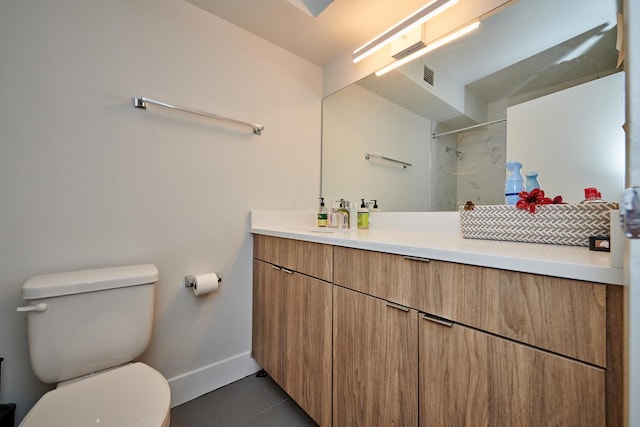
[{"x": 423, "y": 239}]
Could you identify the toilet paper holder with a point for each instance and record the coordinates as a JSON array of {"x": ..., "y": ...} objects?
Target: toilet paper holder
[{"x": 190, "y": 280}]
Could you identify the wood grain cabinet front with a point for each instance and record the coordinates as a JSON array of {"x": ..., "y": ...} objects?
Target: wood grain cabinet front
[
  {"x": 560, "y": 315},
  {"x": 521, "y": 348},
  {"x": 472, "y": 378},
  {"x": 375, "y": 362},
  {"x": 292, "y": 335},
  {"x": 312, "y": 259},
  {"x": 403, "y": 341}
]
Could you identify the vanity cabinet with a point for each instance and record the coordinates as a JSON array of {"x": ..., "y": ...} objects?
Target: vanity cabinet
[
  {"x": 292, "y": 322},
  {"x": 418, "y": 342}
]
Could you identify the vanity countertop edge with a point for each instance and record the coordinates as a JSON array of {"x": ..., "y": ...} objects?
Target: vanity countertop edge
[{"x": 570, "y": 262}]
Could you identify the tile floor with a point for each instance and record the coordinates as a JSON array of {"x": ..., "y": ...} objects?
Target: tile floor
[{"x": 250, "y": 402}]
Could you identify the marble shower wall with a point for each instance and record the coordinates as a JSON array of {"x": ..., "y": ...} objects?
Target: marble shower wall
[
  {"x": 480, "y": 168},
  {"x": 443, "y": 172},
  {"x": 469, "y": 166}
]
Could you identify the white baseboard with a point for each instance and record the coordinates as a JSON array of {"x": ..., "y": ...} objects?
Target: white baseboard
[{"x": 201, "y": 381}]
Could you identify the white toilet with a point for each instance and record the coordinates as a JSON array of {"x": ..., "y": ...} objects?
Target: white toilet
[{"x": 85, "y": 329}]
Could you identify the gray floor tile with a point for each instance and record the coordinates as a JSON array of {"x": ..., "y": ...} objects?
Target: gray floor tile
[
  {"x": 250, "y": 402},
  {"x": 285, "y": 414}
]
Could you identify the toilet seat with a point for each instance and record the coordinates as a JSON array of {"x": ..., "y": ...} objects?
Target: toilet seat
[{"x": 134, "y": 395}]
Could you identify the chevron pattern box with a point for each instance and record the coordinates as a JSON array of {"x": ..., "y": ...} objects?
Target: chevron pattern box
[{"x": 553, "y": 224}]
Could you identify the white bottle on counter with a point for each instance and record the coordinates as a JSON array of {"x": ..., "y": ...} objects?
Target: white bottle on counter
[{"x": 353, "y": 216}]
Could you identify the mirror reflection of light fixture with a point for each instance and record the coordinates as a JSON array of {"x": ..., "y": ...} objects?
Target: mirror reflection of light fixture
[
  {"x": 427, "y": 12},
  {"x": 429, "y": 47}
]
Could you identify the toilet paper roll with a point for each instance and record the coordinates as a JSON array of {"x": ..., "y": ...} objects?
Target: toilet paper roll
[{"x": 203, "y": 284}]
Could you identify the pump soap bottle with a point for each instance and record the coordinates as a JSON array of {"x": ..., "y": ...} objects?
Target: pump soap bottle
[
  {"x": 346, "y": 220},
  {"x": 322, "y": 214},
  {"x": 334, "y": 216},
  {"x": 363, "y": 216}
]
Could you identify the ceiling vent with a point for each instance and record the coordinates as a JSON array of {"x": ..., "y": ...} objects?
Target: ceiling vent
[{"x": 427, "y": 74}]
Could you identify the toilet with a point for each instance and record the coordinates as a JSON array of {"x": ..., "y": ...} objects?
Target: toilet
[{"x": 85, "y": 330}]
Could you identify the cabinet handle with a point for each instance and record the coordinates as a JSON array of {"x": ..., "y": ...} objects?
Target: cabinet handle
[
  {"x": 275, "y": 267},
  {"x": 414, "y": 258},
  {"x": 397, "y": 306},
  {"x": 438, "y": 320},
  {"x": 36, "y": 308}
]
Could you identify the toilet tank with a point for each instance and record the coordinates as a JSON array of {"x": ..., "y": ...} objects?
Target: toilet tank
[{"x": 85, "y": 321}]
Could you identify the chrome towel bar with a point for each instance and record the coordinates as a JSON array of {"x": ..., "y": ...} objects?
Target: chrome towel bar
[
  {"x": 378, "y": 156},
  {"x": 143, "y": 101}
]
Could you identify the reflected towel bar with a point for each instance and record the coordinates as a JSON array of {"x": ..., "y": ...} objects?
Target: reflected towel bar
[
  {"x": 378, "y": 156},
  {"x": 435, "y": 135},
  {"x": 143, "y": 101}
]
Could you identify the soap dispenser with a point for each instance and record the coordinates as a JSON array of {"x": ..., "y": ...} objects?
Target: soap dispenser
[
  {"x": 322, "y": 214},
  {"x": 335, "y": 215},
  {"x": 345, "y": 214},
  {"x": 363, "y": 216}
]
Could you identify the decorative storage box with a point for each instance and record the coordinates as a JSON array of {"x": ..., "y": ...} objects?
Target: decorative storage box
[{"x": 553, "y": 224}]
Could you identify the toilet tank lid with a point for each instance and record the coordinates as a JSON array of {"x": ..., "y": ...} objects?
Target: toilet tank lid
[{"x": 98, "y": 279}]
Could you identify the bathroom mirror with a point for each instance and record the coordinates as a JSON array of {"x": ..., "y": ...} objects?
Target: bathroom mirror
[{"x": 522, "y": 55}]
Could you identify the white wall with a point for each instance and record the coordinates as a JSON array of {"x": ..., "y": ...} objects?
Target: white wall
[
  {"x": 356, "y": 121},
  {"x": 86, "y": 180},
  {"x": 575, "y": 142}
]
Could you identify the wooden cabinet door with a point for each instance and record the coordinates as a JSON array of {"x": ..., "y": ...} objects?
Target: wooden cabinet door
[
  {"x": 268, "y": 318},
  {"x": 307, "y": 311},
  {"x": 471, "y": 378},
  {"x": 292, "y": 335},
  {"x": 375, "y": 361}
]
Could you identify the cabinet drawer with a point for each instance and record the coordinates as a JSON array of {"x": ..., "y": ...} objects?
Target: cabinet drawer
[
  {"x": 377, "y": 274},
  {"x": 560, "y": 315},
  {"x": 313, "y": 259}
]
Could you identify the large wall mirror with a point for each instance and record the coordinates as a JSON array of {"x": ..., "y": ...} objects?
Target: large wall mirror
[{"x": 538, "y": 82}]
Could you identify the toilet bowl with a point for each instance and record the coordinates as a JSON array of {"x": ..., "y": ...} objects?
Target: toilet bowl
[
  {"x": 133, "y": 395},
  {"x": 86, "y": 328}
]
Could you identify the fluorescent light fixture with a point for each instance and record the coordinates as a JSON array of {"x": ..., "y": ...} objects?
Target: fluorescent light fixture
[
  {"x": 422, "y": 15},
  {"x": 428, "y": 48}
]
